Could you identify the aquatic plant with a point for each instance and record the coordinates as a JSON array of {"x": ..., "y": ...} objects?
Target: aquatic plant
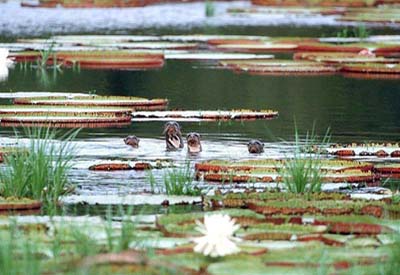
[
  {"x": 45, "y": 55},
  {"x": 359, "y": 32},
  {"x": 40, "y": 173},
  {"x": 179, "y": 181},
  {"x": 209, "y": 8},
  {"x": 127, "y": 235},
  {"x": 218, "y": 239},
  {"x": 302, "y": 173},
  {"x": 18, "y": 255}
]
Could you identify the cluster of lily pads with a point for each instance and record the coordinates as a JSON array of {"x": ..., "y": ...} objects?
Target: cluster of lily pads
[
  {"x": 75, "y": 111},
  {"x": 92, "y": 111},
  {"x": 376, "y": 12},
  {"x": 258, "y": 233},
  {"x": 371, "y": 56},
  {"x": 273, "y": 171}
]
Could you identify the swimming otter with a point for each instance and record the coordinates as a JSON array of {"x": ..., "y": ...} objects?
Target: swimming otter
[
  {"x": 173, "y": 135},
  {"x": 255, "y": 146},
  {"x": 193, "y": 143},
  {"x": 132, "y": 141}
]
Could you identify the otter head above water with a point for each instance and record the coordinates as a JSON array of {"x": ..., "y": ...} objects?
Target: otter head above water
[
  {"x": 193, "y": 143},
  {"x": 132, "y": 141},
  {"x": 255, "y": 146},
  {"x": 173, "y": 135}
]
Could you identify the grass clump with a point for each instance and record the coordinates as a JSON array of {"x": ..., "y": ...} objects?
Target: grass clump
[
  {"x": 127, "y": 236},
  {"x": 45, "y": 55},
  {"x": 40, "y": 173},
  {"x": 302, "y": 173},
  {"x": 18, "y": 255},
  {"x": 180, "y": 182}
]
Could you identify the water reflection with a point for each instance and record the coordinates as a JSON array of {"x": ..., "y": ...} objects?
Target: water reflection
[
  {"x": 46, "y": 78},
  {"x": 5, "y": 63},
  {"x": 3, "y": 72}
]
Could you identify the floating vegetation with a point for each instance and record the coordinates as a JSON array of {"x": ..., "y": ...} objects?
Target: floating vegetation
[
  {"x": 65, "y": 121},
  {"x": 274, "y": 67},
  {"x": 340, "y": 58},
  {"x": 14, "y": 204},
  {"x": 136, "y": 103},
  {"x": 215, "y": 56},
  {"x": 319, "y": 3},
  {"x": 204, "y": 115},
  {"x": 41, "y": 173},
  {"x": 254, "y": 47},
  {"x": 278, "y": 203},
  {"x": 240, "y": 200},
  {"x": 380, "y": 150},
  {"x": 274, "y": 165},
  {"x": 9, "y": 150},
  {"x": 326, "y": 55},
  {"x": 36, "y": 110},
  {"x": 138, "y": 165},
  {"x": 383, "y": 16},
  {"x": 267, "y": 176},
  {"x": 268, "y": 171},
  {"x": 388, "y": 170},
  {"x": 372, "y": 68},
  {"x": 95, "y": 59},
  {"x": 84, "y": 3}
]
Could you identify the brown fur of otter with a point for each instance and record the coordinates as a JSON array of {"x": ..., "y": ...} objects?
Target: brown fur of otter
[
  {"x": 132, "y": 141},
  {"x": 173, "y": 136},
  {"x": 193, "y": 143},
  {"x": 255, "y": 146}
]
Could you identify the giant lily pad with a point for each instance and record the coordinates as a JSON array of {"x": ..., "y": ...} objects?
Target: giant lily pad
[
  {"x": 371, "y": 17},
  {"x": 318, "y": 3},
  {"x": 346, "y": 57},
  {"x": 34, "y": 110},
  {"x": 15, "y": 204},
  {"x": 136, "y": 103},
  {"x": 275, "y": 165},
  {"x": 278, "y": 67},
  {"x": 203, "y": 115},
  {"x": 372, "y": 68},
  {"x": 380, "y": 150},
  {"x": 266, "y": 175},
  {"x": 257, "y": 47},
  {"x": 65, "y": 121},
  {"x": 137, "y": 165}
]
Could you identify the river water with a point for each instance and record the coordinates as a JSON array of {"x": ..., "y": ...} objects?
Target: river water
[{"x": 355, "y": 110}]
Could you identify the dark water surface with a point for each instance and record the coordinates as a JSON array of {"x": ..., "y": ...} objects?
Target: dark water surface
[{"x": 355, "y": 109}]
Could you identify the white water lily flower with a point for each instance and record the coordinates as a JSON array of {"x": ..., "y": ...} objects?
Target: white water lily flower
[{"x": 218, "y": 239}]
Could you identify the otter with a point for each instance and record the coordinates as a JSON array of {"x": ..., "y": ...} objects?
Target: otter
[
  {"x": 132, "y": 141},
  {"x": 193, "y": 143},
  {"x": 173, "y": 135},
  {"x": 255, "y": 146}
]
